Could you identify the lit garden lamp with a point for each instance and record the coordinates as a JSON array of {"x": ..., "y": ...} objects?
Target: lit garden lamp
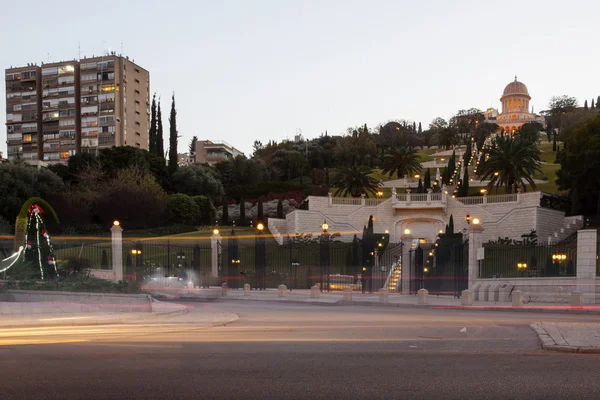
[
  {"x": 260, "y": 260},
  {"x": 324, "y": 256}
]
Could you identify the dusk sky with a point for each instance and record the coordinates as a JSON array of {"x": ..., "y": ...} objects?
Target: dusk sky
[{"x": 263, "y": 69}]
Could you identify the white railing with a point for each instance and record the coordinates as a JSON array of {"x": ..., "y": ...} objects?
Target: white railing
[
  {"x": 374, "y": 202},
  {"x": 346, "y": 201},
  {"x": 401, "y": 197},
  {"x": 418, "y": 197},
  {"x": 469, "y": 201},
  {"x": 436, "y": 197},
  {"x": 502, "y": 198}
]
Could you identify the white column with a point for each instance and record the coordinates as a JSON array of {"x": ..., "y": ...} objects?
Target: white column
[
  {"x": 214, "y": 240},
  {"x": 117, "y": 251},
  {"x": 587, "y": 247},
  {"x": 405, "y": 275},
  {"x": 475, "y": 242}
]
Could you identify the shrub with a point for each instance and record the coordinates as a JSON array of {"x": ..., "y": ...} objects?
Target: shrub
[
  {"x": 183, "y": 209},
  {"x": 207, "y": 210}
]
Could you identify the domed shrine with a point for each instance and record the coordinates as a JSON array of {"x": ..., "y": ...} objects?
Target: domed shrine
[{"x": 515, "y": 108}]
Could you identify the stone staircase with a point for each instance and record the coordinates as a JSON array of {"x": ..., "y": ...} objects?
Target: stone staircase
[
  {"x": 392, "y": 282},
  {"x": 570, "y": 226}
]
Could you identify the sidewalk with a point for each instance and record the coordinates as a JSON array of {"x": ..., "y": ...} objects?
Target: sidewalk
[
  {"x": 302, "y": 296},
  {"x": 50, "y": 317},
  {"x": 569, "y": 337}
]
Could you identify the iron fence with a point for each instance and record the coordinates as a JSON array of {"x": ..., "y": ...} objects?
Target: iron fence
[{"x": 530, "y": 261}]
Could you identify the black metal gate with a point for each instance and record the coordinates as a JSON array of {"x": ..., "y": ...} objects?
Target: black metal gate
[{"x": 391, "y": 257}]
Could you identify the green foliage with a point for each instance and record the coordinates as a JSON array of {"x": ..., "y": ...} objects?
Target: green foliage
[
  {"x": 192, "y": 148},
  {"x": 420, "y": 188},
  {"x": 5, "y": 226},
  {"x": 197, "y": 180},
  {"x": 531, "y": 132},
  {"x": 402, "y": 162},
  {"x": 260, "y": 212},
  {"x": 427, "y": 182},
  {"x": 173, "y": 159},
  {"x": 115, "y": 159},
  {"x": 280, "y": 209},
  {"x": 264, "y": 188},
  {"x": 511, "y": 161},
  {"x": 207, "y": 210},
  {"x": 355, "y": 180},
  {"x": 451, "y": 225},
  {"x": 225, "y": 216},
  {"x": 580, "y": 165},
  {"x": 241, "y": 171},
  {"x": 160, "y": 142},
  {"x": 242, "y": 212},
  {"x": 19, "y": 182},
  {"x": 183, "y": 209},
  {"x": 152, "y": 134}
]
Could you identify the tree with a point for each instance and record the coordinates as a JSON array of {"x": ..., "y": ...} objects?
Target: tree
[
  {"x": 580, "y": 164},
  {"x": 401, "y": 161},
  {"x": 160, "y": 142},
  {"x": 225, "y": 216},
  {"x": 585, "y": 105},
  {"x": 531, "y": 132},
  {"x": 197, "y": 180},
  {"x": 511, "y": 161},
  {"x": 280, "y": 209},
  {"x": 19, "y": 182},
  {"x": 152, "y": 134},
  {"x": 193, "y": 145},
  {"x": 183, "y": 209},
  {"x": 173, "y": 161},
  {"x": 557, "y": 160},
  {"x": 420, "y": 188},
  {"x": 464, "y": 186},
  {"x": 482, "y": 132},
  {"x": 242, "y": 212},
  {"x": 450, "y": 226},
  {"x": 562, "y": 104},
  {"x": 420, "y": 130},
  {"x": 593, "y": 106},
  {"x": 427, "y": 183},
  {"x": 447, "y": 138},
  {"x": 114, "y": 159},
  {"x": 356, "y": 148},
  {"x": 260, "y": 212},
  {"x": 554, "y": 142},
  {"x": 355, "y": 180}
]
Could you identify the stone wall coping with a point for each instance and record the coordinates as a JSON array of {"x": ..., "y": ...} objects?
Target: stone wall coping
[{"x": 57, "y": 293}]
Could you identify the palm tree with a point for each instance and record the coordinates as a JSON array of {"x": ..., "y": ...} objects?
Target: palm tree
[
  {"x": 401, "y": 161},
  {"x": 510, "y": 161},
  {"x": 356, "y": 180},
  {"x": 447, "y": 138}
]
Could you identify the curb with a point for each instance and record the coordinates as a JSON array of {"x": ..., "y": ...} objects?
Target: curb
[
  {"x": 104, "y": 321},
  {"x": 549, "y": 344}
]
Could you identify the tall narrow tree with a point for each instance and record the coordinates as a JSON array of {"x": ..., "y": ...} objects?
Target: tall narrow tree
[
  {"x": 280, "y": 209},
  {"x": 593, "y": 106},
  {"x": 242, "y": 212},
  {"x": 598, "y": 102},
  {"x": 585, "y": 106},
  {"x": 172, "y": 166},
  {"x": 427, "y": 183},
  {"x": 193, "y": 145},
  {"x": 419, "y": 130},
  {"x": 451, "y": 225},
  {"x": 152, "y": 130},
  {"x": 225, "y": 216},
  {"x": 160, "y": 143},
  {"x": 464, "y": 187},
  {"x": 420, "y": 188},
  {"x": 260, "y": 211}
]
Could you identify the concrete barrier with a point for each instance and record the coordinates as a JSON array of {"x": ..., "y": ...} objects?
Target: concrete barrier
[
  {"x": 486, "y": 293},
  {"x": 517, "y": 298},
  {"x": 347, "y": 293},
  {"x": 314, "y": 292},
  {"x": 577, "y": 299},
  {"x": 384, "y": 296},
  {"x": 466, "y": 298},
  {"x": 224, "y": 289},
  {"x": 26, "y": 302},
  {"x": 281, "y": 290},
  {"x": 422, "y": 296},
  {"x": 475, "y": 291},
  {"x": 247, "y": 289}
]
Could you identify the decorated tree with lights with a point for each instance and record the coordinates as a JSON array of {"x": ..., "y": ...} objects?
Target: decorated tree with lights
[{"x": 38, "y": 246}]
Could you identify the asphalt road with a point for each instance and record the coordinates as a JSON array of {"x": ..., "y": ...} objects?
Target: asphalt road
[{"x": 278, "y": 351}]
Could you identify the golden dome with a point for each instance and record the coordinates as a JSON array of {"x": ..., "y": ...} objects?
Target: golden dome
[{"x": 515, "y": 87}]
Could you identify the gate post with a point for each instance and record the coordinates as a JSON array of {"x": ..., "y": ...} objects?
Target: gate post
[
  {"x": 587, "y": 251},
  {"x": 406, "y": 278},
  {"x": 215, "y": 244},
  {"x": 117, "y": 250},
  {"x": 475, "y": 242}
]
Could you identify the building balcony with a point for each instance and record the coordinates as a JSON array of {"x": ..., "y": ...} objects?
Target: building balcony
[{"x": 419, "y": 200}]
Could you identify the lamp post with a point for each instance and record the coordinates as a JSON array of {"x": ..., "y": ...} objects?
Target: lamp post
[
  {"x": 324, "y": 255},
  {"x": 260, "y": 258},
  {"x": 233, "y": 259}
]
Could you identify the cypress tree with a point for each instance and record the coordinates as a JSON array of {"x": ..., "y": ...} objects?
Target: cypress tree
[
  {"x": 172, "y": 166},
  {"x": 152, "y": 130},
  {"x": 592, "y": 104},
  {"x": 585, "y": 106},
  {"x": 554, "y": 142},
  {"x": 557, "y": 160},
  {"x": 370, "y": 224},
  {"x": 280, "y": 209},
  {"x": 260, "y": 211},
  {"x": 414, "y": 127},
  {"x": 575, "y": 201},
  {"x": 481, "y": 162},
  {"x": 225, "y": 217},
  {"x": 420, "y": 130},
  {"x": 160, "y": 143},
  {"x": 598, "y": 102},
  {"x": 444, "y": 176},
  {"x": 420, "y": 188},
  {"x": 427, "y": 183},
  {"x": 451, "y": 225},
  {"x": 242, "y": 212},
  {"x": 464, "y": 188}
]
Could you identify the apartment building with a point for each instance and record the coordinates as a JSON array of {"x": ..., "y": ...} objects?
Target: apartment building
[
  {"x": 211, "y": 152},
  {"x": 59, "y": 109}
]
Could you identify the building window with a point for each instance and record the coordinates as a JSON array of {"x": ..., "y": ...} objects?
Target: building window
[
  {"x": 27, "y": 138},
  {"x": 64, "y": 155}
]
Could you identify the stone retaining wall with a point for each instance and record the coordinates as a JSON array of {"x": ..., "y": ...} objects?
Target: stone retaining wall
[{"x": 538, "y": 290}]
